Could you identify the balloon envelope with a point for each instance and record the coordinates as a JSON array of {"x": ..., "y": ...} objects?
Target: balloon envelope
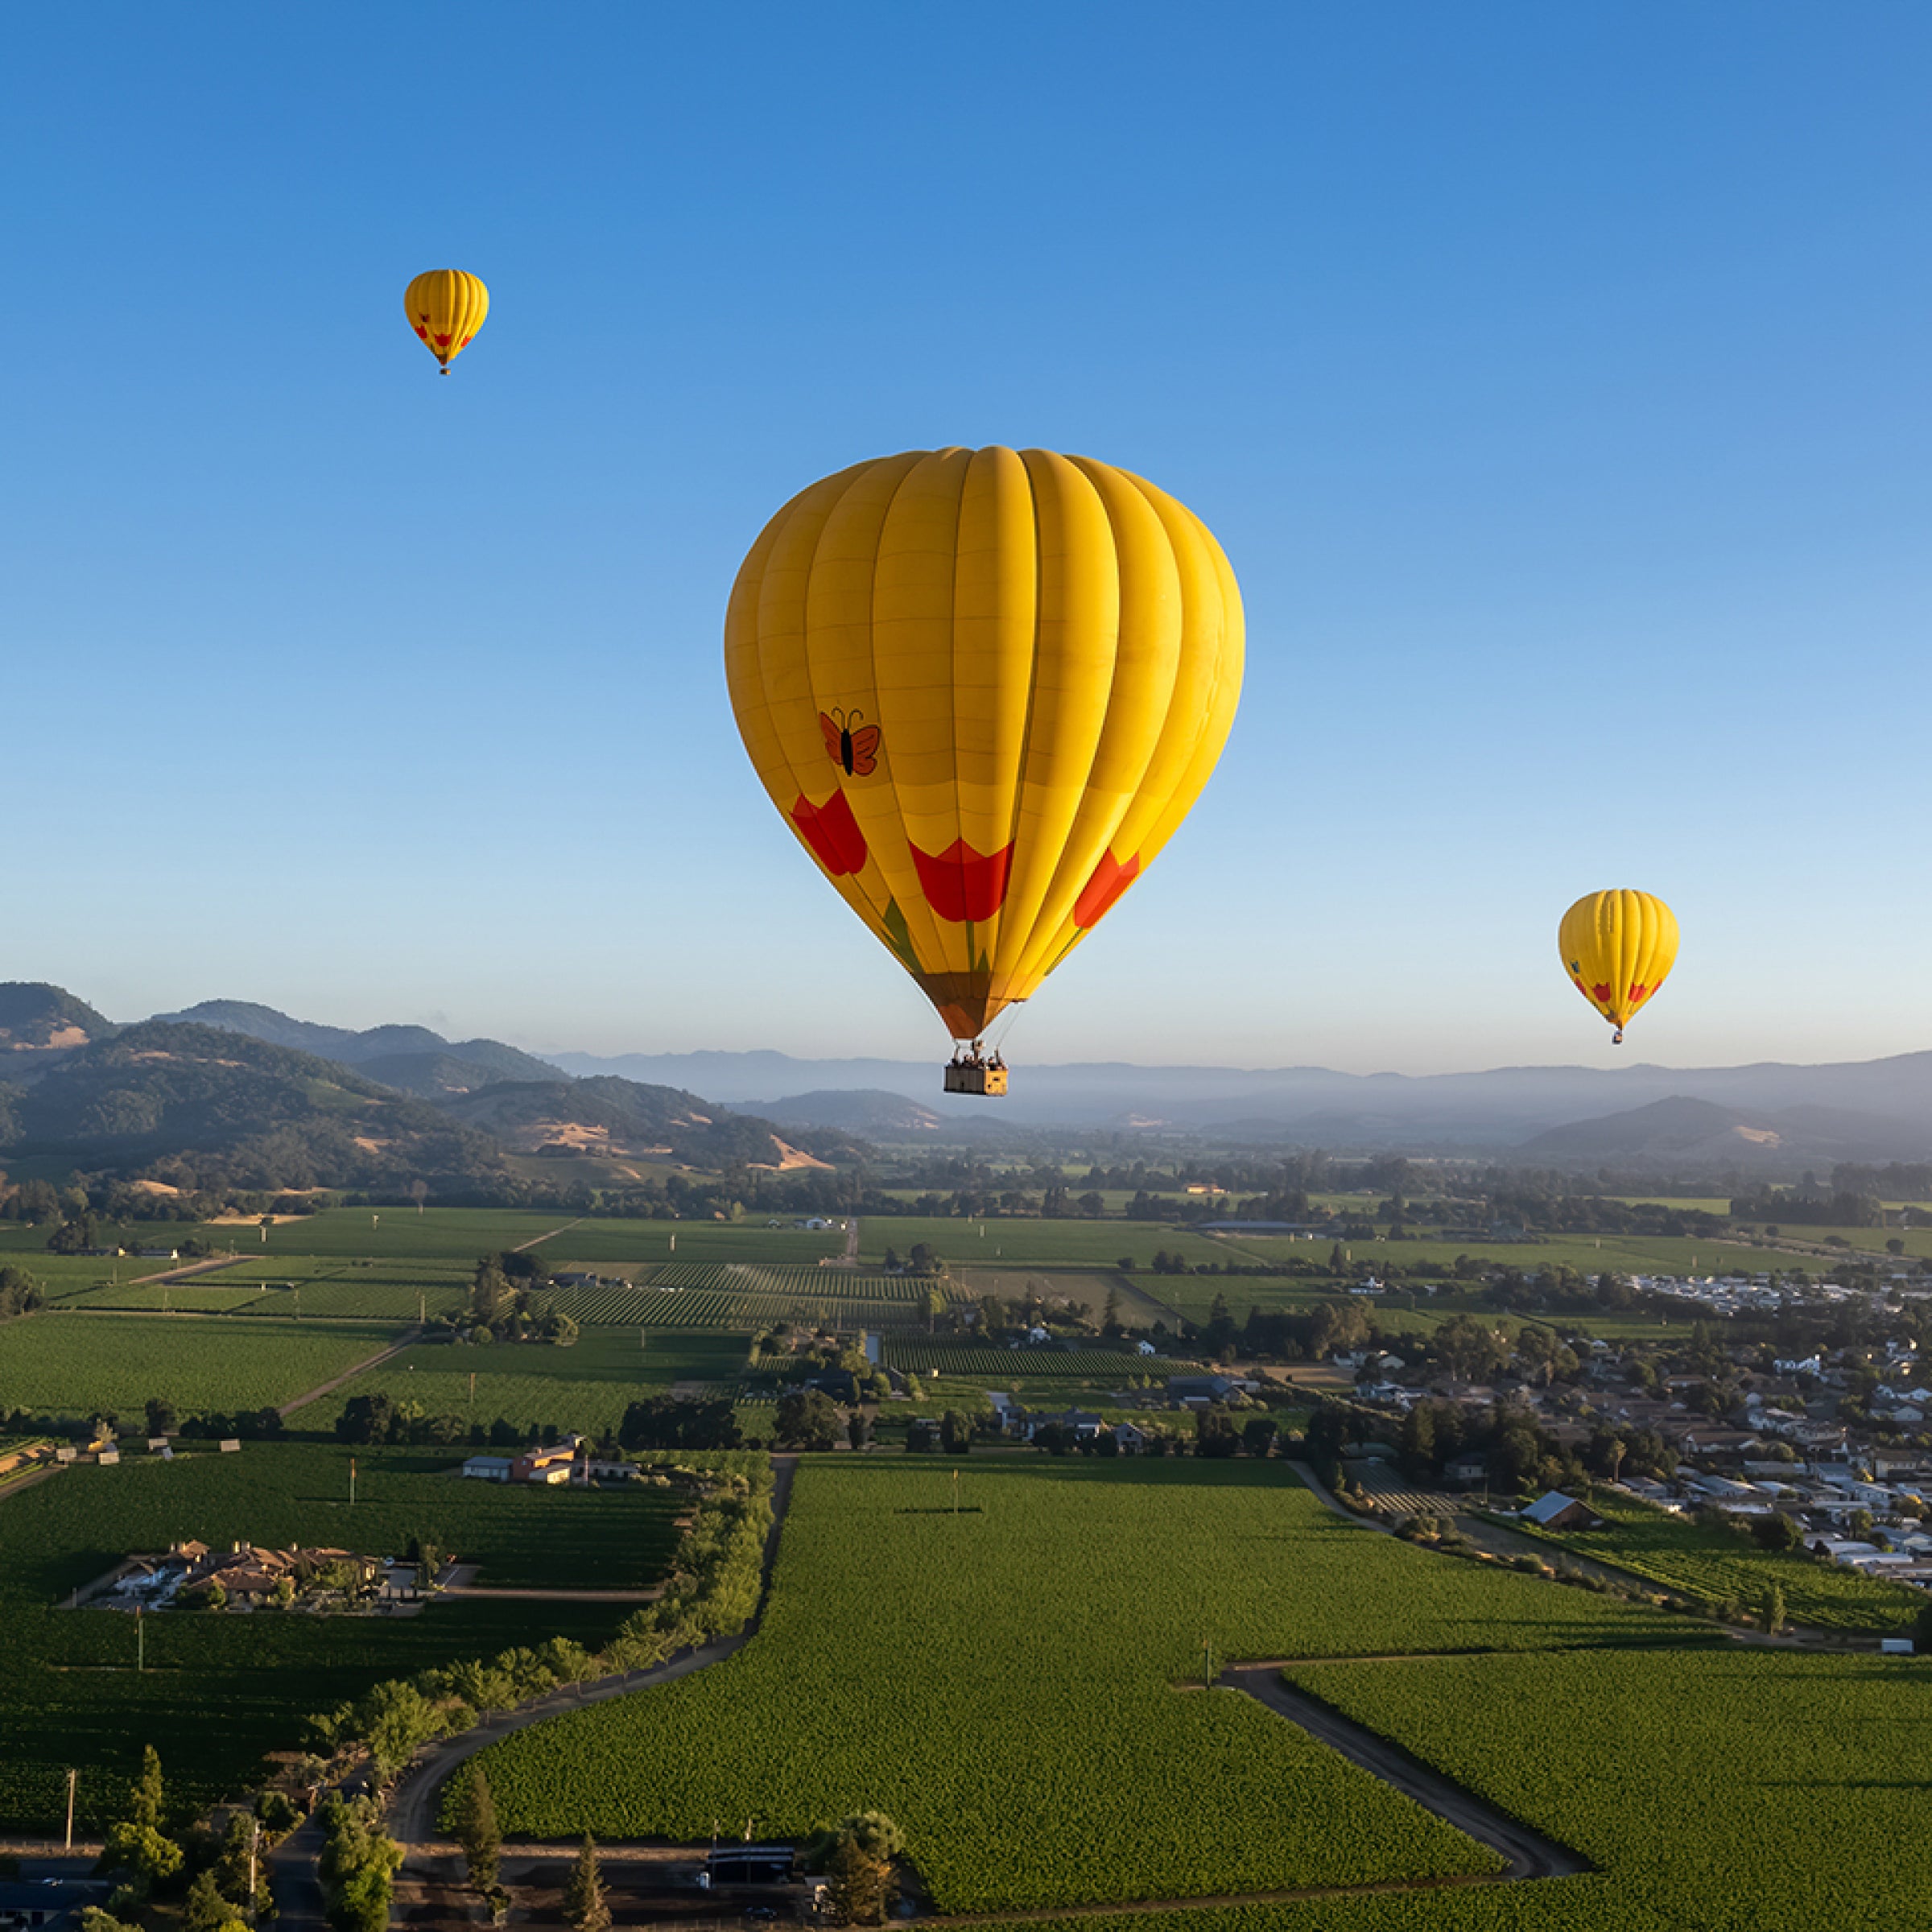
[
  {"x": 446, "y": 307},
  {"x": 984, "y": 687},
  {"x": 1618, "y": 947}
]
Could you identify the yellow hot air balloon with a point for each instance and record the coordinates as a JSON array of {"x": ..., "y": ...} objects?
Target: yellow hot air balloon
[
  {"x": 983, "y": 687},
  {"x": 1619, "y": 948},
  {"x": 446, "y": 307}
]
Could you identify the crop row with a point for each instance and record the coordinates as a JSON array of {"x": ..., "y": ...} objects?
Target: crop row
[
  {"x": 1033, "y": 1644},
  {"x": 988, "y": 1362}
]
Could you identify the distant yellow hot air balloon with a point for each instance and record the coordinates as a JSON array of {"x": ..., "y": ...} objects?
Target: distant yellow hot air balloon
[
  {"x": 446, "y": 307},
  {"x": 983, "y": 687},
  {"x": 1619, "y": 948}
]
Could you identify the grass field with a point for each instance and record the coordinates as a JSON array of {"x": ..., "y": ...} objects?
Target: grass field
[
  {"x": 72, "y": 1695},
  {"x": 1009, "y": 1684},
  {"x": 585, "y": 1387},
  {"x": 82, "y": 1364}
]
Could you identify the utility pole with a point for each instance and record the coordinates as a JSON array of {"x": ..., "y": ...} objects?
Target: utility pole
[
  {"x": 1206, "y": 1664},
  {"x": 140, "y": 1641},
  {"x": 254, "y": 1839},
  {"x": 352, "y": 1482},
  {"x": 72, "y": 1778}
]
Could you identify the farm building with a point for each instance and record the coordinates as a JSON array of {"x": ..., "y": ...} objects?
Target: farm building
[
  {"x": 487, "y": 1468},
  {"x": 751, "y": 1865},
  {"x": 1556, "y": 1511}
]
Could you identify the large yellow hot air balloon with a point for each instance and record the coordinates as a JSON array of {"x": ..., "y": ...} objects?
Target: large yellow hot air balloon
[
  {"x": 984, "y": 687},
  {"x": 1618, "y": 947},
  {"x": 446, "y": 307}
]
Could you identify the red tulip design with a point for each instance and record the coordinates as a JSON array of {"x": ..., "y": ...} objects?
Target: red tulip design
[
  {"x": 1110, "y": 879},
  {"x": 960, "y": 883},
  {"x": 832, "y": 832}
]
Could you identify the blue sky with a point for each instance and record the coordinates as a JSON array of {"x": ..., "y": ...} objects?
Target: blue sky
[{"x": 1554, "y": 377}]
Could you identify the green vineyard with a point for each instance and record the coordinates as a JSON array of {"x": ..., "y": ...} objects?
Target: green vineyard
[{"x": 989, "y": 1361}]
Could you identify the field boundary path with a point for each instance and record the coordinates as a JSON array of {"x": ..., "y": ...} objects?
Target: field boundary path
[
  {"x": 537, "y": 1239},
  {"x": 349, "y": 1374}
]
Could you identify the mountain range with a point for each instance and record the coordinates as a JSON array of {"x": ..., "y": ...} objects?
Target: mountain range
[
  {"x": 1771, "y": 1115},
  {"x": 235, "y": 1095},
  {"x": 250, "y": 1091}
]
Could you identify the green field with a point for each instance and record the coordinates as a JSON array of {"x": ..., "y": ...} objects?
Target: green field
[
  {"x": 1026, "y": 1243},
  {"x": 74, "y": 1698},
  {"x": 1009, "y": 1684},
  {"x": 1717, "y": 1566},
  {"x": 58, "y": 1363},
  {"x": 585, "y": 1387},
  {"x": 1723, "y": 1791}
]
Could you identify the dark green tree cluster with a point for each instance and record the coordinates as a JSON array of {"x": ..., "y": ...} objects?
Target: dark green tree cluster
[
  {"x": 358, "y": 1865},
  {"x": 660, "y": 1422}
]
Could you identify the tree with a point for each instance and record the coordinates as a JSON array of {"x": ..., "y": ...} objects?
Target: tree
[
  {"x": 206, "y": 1910},
  {"x": 1258, "y": 1437},
  {"x": 161, "y": 1417},
  {"x": 476, "y": 1828},
  {"x": 366, "y": 1418},
  {"x": 357, "y": 1866},
  {"x": 1774, "y": 1609},
  {"x": 807, "y": 1418},
  {"x": 1777, "y": 1532},
  {"x": 136, "y": 1844},
  {"x": 956, "y": 1433},
  {"x": 584, "y": 1904},
  {"x": 859, "y": 1882}
]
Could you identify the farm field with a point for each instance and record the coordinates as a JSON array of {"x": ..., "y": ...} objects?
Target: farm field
[
  {"x": 993, "y": 1363},
  {"x": 1588, "y": 1254},
  {"x": 1023, "y": 1242},
  {"x": 598, "y": 1242},
  {"x": 1729, "y": 1790},
  {"x": 79, "y": 1364},
  {"x": 74, "y": 1698},
  {"x": 585, "y": 1387},
  {"x": 1715, "y": 1566},
  {"x": 1040, "y": 1642}
]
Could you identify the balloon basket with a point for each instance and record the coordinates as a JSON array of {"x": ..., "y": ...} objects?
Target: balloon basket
[{"x": 962, "y": 1077}]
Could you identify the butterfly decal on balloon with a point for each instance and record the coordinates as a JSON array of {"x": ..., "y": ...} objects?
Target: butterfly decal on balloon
[{"x": 852, "y": 745}]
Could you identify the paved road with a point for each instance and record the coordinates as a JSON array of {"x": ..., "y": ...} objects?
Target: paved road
[{"x": 1530, "y": 1854}]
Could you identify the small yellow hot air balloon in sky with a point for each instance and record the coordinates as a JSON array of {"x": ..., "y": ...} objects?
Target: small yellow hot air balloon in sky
[
  {"x": 1618, "y": 947},
  {"x": 983, "y": 687},
  {"x": 446, "y": 307}
]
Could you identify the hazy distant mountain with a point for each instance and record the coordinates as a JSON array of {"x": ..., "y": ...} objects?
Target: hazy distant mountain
[
  {"x": 405, "y": 1050},
  {"x": 1690, "y": 1134},
  {"x": 37, "y": 1018},
  {"x": 1889, "y": 1101}
]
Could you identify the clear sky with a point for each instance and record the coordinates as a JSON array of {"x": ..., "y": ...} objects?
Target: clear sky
[{"x": 1555, "y": 378}]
